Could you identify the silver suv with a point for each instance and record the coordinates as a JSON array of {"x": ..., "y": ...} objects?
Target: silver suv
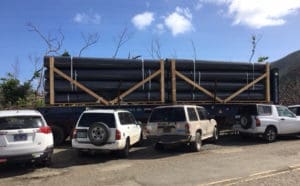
[
  {"x": 175, "y": 124},
  {"x": 114, "y": 130}
]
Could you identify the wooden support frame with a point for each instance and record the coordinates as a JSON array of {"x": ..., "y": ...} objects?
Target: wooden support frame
[
  {"x": 245, "y": 88},
  {"x": 51, "y": 78},
  {"x": 189, "y": 81},
  {"x": 136, "y": 86},
  {"x": 173, "y": 76},
  {"x": 175, "y": 73},
  {"x": 79, "y": 85},
  {"x": 162, "y": 81},
  {"x": 198, "y": 86}
]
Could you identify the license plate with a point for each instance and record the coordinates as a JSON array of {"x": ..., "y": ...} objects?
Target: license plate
[
  {"x": 20, "y": 137},
  {"x": 81, "y": 134}
]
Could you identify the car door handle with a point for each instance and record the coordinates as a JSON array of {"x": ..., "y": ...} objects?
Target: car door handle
[{"x": 282, "y": 119}]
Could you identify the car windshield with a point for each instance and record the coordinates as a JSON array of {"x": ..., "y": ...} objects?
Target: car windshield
[
  {"x": 174, "y": 114},
  {"x": 20, "y": 122},
  {"x": 88, "y": 119}
]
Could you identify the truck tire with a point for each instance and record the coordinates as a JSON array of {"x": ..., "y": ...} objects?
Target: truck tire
[
  {"x": 196, "y": 145},
  {"x": 246, "y": 121},
  {"x": 98, "y": 133},
  {"x": 270, "y": 134},
  {"x": 58, "y": 135}
]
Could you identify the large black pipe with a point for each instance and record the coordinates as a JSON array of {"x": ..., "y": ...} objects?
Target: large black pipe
[
  {"x": 183, "y": 65},
  {"x": 77, "y": 98},
  {"x": 65, "y": 86},
  {"x": 139, "y": 75},
  {"x": 101, "y": 63}
]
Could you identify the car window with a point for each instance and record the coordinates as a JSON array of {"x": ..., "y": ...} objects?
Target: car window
[
  {"x": 88, "y": 119},
  {"x": 172, "y": 114},
  {"x": 192, "y": 114},
  {"x": 294, "y": 110},
  {"x": 202, "y": 114},
  {"x": 126, "y": 118},
  {"x": 264, "y": 110},
  {"x": 284, "y": 112},
  {"x": 20, "y": 122},
  {"x": 248, "y": 110}
]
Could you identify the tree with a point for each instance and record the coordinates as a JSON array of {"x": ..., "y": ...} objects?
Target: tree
[
  {"x": 13, "y": 91},
  {"x": 262, "y": 59},
  {"x": 254, "y": 42},
  {"x": 155, "y": 49},
  {"x": 123, "y": 38},
  {"x": 66, "y": 54},
  {"x": 89, "y": 40},
  {"x": 53, "y": 43}
]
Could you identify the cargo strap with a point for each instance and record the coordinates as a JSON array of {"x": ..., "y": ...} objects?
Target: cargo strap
[
  {"x": 71, "y": 72},
  {"x": 143, "y": 72}
]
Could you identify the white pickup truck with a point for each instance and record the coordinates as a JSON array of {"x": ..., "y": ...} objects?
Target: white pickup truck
[{"x": 267, "y": 121}]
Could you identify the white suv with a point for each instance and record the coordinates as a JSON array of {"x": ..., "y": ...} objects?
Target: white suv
[
  {"x": 114, "y": 130},
  {"x": 175, "y": 124},
  {"x": 267, "y": 121},
  {"x": 25, "y": 136}
]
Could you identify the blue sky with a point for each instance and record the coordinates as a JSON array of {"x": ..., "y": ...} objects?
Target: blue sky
[{"x": 219, "y": 29}]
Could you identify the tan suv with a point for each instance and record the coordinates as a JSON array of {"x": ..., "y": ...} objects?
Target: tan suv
[{"x": 187, "y": 124}]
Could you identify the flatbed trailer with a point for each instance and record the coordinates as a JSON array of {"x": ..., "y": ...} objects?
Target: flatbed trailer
[{"x": 75, "y": 84}]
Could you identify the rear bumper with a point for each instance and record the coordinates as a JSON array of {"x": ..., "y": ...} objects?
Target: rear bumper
[
  {"x": 117, "y": 145},
  {"x": 35, "y": 156},
  {"x": 170, "y": 139}
]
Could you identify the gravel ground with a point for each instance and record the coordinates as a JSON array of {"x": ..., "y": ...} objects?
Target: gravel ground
[{"x": 232, "y": 161}]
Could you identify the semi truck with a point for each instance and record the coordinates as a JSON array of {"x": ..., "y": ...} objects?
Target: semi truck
[{"x": 73, "y": 84}]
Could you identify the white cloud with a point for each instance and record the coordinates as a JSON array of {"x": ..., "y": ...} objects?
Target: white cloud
[
  {"x": 141, "y": 21},
  {"x": 259, "y": 13},
  {"x": 198, "y": 6},
  {"x": 160, "y": 28},
  {"x": 179, "y": 21},
  {"x": 87, "y": 18}
]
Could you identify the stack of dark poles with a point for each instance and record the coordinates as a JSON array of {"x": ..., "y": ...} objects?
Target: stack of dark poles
[{"x": 109, "y": 78}]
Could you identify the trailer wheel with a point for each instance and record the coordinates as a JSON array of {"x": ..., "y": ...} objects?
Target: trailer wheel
[{"x": 58, "y": 135}]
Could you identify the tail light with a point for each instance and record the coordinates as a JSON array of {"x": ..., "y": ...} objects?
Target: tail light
[
  {"x": 118, "y": 135},
  {"x": 45, "y": 130},
  {"x": 257, "y": 122},
  {"x": 74, "y": 133},
  {"x": 187, "y": 128}
]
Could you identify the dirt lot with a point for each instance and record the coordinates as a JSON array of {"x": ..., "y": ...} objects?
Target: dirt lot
[{"x": 232, "y": 161}]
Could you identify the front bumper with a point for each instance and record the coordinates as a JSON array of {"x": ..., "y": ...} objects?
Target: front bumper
[{"x": 32, "y": 157}]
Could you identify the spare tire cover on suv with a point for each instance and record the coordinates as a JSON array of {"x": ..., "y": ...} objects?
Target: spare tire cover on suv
[
  {"x": 98, "y": 133},
  {"x": 246, "y": 121}
]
